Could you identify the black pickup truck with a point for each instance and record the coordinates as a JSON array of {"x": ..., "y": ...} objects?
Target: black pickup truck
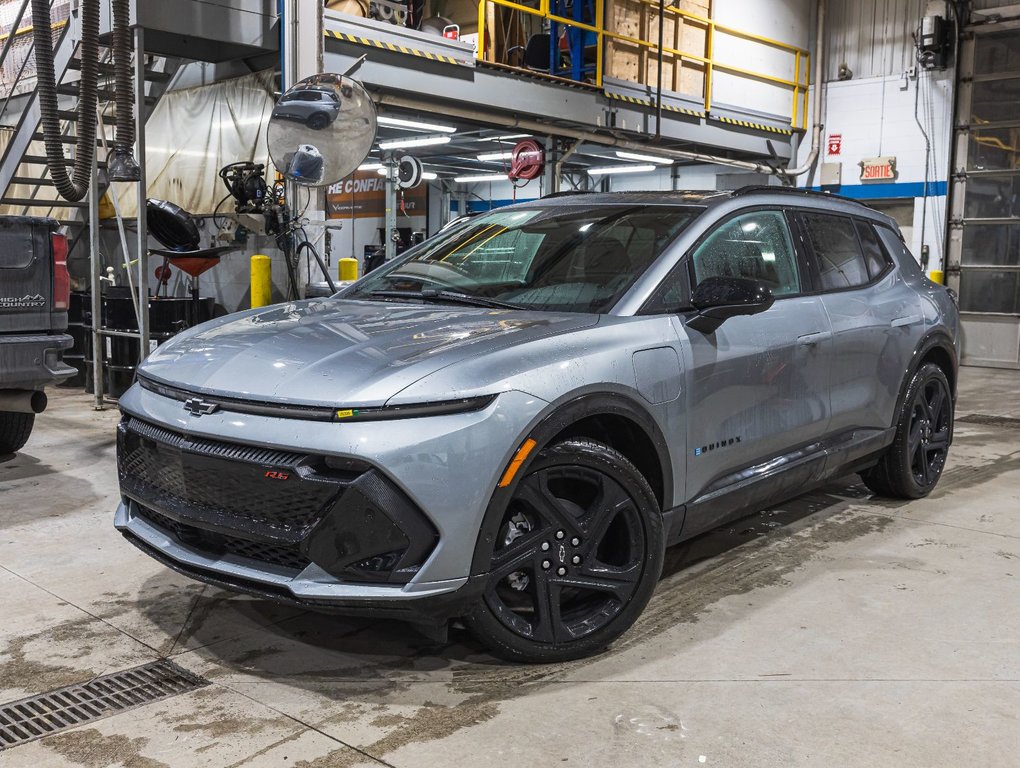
[{"x": 34, "y": 293}]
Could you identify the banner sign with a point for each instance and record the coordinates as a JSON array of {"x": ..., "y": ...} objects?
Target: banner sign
[{"x": 363, "y": 196}]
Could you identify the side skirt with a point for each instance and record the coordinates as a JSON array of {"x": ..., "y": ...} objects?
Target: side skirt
[{"x": 778, "y": 479}]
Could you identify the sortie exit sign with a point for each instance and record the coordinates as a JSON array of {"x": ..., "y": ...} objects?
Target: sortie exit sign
[{"x": 878, "y": 168}]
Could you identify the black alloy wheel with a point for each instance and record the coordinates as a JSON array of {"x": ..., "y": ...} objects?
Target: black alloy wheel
[
  {"x": 913, "y": 464},
  {"x": 577, "y": 554},
  {"x": 930, "y": 421}
]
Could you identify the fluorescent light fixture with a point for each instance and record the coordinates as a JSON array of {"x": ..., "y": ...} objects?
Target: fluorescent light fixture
[
  {"x": 426, "y": 175},
  {"x": 424, "y": 141},
  {"x": 511, "y": 137},
  {"x": 489, "y": 156},
  {"x": 370, "y": 167},
  {"x": 608, "y": 169},
  {"x": 480, "y": 177},
  {"x": 644, "y": 158},
  {"x": 396, "y": 122}
]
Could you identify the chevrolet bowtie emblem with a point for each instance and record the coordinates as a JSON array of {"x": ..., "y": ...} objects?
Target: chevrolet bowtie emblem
[{"x": 198, "y": 407}]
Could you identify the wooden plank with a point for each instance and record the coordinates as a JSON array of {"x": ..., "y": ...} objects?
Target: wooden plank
[{"x": 638, "y": 64}]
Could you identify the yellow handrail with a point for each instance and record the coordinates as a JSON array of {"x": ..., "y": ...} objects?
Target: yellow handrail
[
  {"x": 802, "y": 57},
  {"x": 25, "y": 30}
]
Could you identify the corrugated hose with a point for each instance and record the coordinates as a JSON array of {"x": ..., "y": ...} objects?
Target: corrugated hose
[{"x": 73, "y": 186}]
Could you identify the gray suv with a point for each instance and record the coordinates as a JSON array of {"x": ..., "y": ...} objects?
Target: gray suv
[{"x": 513, "y": 420}]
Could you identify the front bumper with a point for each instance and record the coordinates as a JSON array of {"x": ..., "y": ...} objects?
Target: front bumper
[
  {"x": 445, "y": 466},
  {"x": 33, "y": 361}
]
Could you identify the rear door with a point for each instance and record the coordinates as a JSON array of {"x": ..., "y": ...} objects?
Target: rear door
[
  {"x": 758, "y": 387},
  {"x": 876, "y": 318},
  {"x": 26, "y": 277}
]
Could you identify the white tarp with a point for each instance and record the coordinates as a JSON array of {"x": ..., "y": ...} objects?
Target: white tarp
[{"x": 194, "y": 132}]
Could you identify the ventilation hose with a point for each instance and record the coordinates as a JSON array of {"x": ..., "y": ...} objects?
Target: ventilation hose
[
  {"x": 123, "y": 88},
  {"x": 74, "y": 186}
]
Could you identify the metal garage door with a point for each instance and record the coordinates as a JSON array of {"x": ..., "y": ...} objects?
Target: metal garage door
[{"x": 984, "y": 244}]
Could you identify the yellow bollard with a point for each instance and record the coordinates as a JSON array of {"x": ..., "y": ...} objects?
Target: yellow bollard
[
  {"x": 348, "y": 269},
  {"x": 937, "y": 276},
  {"x": 261, "y": 281}
]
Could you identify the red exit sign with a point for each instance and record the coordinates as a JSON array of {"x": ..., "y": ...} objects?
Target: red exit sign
[{"x": 878, "y": 168}]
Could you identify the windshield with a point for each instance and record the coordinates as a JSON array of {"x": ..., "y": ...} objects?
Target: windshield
[{"x": 563, "y": 259}]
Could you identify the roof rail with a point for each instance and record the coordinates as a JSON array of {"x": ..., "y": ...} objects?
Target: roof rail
[
  {"x": 567, "y": 193},
  {"x": 769, "y": 189}
]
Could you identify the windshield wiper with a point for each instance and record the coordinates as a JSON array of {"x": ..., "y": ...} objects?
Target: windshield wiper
[{"x": 434, "y": 294}]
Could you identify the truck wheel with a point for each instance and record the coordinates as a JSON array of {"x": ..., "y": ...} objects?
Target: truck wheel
[{"x": 14, "y": 430}]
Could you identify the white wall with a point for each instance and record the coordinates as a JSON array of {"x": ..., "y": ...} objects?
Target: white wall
[
  {"x": 788, "y": 21},
  {"x": 876, "y": 116}
]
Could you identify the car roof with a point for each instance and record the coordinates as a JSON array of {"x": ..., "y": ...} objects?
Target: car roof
[{"x": 754, "y": 195}]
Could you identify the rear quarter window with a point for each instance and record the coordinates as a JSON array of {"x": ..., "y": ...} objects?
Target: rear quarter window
[{"x": 875, "y": 256}]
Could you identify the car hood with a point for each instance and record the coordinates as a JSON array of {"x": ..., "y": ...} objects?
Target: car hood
[{"x": 339, "y": 352}]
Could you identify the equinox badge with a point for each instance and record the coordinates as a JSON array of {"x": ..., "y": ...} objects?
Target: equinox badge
[{"x": 198, "y": 407}]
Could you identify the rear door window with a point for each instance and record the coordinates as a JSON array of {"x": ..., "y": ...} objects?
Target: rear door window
[{"x": 837, "y": 250}]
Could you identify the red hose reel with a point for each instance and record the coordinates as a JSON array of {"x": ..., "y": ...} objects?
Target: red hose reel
[{"x": 527, "y": 161}]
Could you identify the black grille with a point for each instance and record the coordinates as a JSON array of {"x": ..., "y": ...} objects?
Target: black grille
[
  {"x": 261, "y": 492},
  {"x": 217, "y": 543}
]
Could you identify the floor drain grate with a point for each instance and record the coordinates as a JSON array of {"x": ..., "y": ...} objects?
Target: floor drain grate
[
  {"x": 47, "y": 713},
  {"x": 990, "y": 421}
]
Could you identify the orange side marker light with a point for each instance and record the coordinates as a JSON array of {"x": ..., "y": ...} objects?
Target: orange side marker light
[{"x": 522, "y": 453}]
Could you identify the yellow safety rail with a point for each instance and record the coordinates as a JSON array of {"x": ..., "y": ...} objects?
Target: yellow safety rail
[
  {"x": 26, "y": 30},
  {"x": 798, "y": 85}
]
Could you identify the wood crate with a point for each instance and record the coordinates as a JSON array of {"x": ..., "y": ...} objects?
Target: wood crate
[{"x": 638, "y": 64}]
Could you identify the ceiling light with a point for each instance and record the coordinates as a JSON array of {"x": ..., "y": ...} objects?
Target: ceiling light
[
  {"x": 396, "y": 122},
  {"x": 644, "y": 158},
  {"x": 370, "y": 167},
  {"x": 607, "y": 169},
  {"x": 488, "y": 156},
  {"x": 511, "y": 137},
  {"x": 424, "y": 141},
  {"x": 426, "y": 175},
  {"x": 481, "y": 177}
]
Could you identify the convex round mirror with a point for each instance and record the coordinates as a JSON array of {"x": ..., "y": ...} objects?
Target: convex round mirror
[{"x": 322, "y": 129}]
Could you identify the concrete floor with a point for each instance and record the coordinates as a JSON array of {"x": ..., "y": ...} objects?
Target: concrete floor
[{"x": 837, "y": 630}]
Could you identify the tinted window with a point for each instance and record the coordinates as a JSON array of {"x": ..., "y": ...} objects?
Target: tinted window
[
  {"x": 755, "y": 245},
  {"x": 838, "y": 251},
  {"x": 874, "y": 254}
]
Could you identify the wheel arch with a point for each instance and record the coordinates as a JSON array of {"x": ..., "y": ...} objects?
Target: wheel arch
[
  {"x": 615, "y": 419},
  {"x": 935, "y": 347}
]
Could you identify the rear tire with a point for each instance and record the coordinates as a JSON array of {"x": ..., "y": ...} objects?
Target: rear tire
[
  {"x": 578, "y": 553},
  {"x": 913, "y": 464},
  {"x": 15, "y": 429}
]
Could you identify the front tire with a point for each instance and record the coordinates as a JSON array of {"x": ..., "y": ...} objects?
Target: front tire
[
  {"x": 913, "y": 464},
  {"x": 577, "y": 556},
  {"x": 15, "y": 429}
]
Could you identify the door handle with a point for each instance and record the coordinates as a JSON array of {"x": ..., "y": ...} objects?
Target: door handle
[
  {"x": 899, "y": 322},
  {"x": 812, "y": 339}
]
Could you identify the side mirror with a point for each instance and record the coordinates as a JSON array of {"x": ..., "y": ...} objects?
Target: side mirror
[{"x": 719, "y": 298}]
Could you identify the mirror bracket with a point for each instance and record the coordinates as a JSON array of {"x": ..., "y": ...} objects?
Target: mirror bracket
[{"x": 704, "y": 323}]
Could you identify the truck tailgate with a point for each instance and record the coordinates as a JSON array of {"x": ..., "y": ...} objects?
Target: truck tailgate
[{"x": 26, "y": 274}]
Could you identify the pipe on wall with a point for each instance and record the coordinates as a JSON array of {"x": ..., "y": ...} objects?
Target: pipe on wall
[{"x": 818, "y": 101}]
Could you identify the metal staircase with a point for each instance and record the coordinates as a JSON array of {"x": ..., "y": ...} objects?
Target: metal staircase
[{"x": 25, "y": 183}]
